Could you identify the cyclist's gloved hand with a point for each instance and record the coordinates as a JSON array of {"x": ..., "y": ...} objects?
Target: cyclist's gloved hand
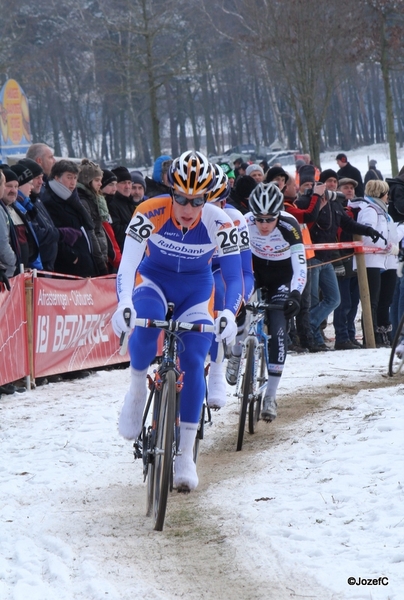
[
  {"x": 4, "y": 279},
  {"x": 292, "y": 305},
  {"x": 119, "y": 324},
  {"x": 375, "y": 235},
  {"x": 229, "y": 333}
]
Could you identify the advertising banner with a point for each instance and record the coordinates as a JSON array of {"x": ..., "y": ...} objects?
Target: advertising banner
[
  {"x": 72, "y": 325},
  {"x": 13, "y": 332},
  {"x": 15, "y": 132}
]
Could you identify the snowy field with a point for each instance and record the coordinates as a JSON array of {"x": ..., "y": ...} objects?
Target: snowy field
[{"x": 314, "y": 498}]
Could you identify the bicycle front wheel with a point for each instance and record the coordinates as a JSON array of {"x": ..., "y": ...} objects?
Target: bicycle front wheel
[
  {"x": 163, "y": 450},
  {"x": 246, "y": 390},
  {"x": 395, "y": 362},
  {"x": 254, "y": 408}
]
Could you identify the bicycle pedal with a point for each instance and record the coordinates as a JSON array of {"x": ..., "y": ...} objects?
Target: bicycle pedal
[{"x": 137, "y": 450}]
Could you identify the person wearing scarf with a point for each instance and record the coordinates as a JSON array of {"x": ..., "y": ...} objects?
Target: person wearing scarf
[
  {"x": 381, "y": 267},
  {"x": 75, "y": 253}
]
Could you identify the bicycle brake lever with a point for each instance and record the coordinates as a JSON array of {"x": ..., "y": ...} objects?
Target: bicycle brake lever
[
  {"x": 226, "y": 348},
  {"x": 123, "y": 340}
]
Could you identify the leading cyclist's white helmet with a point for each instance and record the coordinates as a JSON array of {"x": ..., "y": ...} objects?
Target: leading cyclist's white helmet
[{"x": 266, "y": 199}]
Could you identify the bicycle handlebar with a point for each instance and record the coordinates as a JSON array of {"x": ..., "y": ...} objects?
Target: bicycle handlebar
[
  {"x": 175, "y": 325},
  {"x": 261, "y": 306}
]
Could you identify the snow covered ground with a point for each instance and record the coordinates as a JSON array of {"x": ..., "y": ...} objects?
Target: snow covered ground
[{"x": 314, "y": 498}]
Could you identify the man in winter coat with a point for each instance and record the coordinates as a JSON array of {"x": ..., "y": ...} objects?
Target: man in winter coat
[
  {"x": 7, "y": 254},
  {"x": 47, "y": 233},
  {"x": 138, "y": 187},
  {"x": 373, "y": 173},
  {"x": 348, "y": 170},
  {"x": 22, "y": 237},
  {"x": 121, "y": 206}
]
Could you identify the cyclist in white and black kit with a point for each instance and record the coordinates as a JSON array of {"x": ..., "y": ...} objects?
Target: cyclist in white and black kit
[{"x": 280, "y": 271}]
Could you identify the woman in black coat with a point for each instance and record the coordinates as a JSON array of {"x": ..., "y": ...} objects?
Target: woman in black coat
[{"x": 63, "y": 204}]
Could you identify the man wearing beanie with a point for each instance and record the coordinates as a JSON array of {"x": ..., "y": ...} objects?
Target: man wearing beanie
[
  {"x": 121, "y": 206},
  {"x": 240, "y": 192},
  {"x": 256, "y": 172},
  {"x": 108, "y": 189},
  {"x": 138, "y": 187},
  {"x": 157, "y": 184},
  {"x": 373, "y": 172},
  {"x": 330, "y": 178},
  {"x": 277, "y": 175},
  {"x": 47, "y": 234},
  {"x": 22, "y": 237},
  {"x": 89, "y": 183}
]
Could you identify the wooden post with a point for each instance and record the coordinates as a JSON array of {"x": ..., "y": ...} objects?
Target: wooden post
[
  {"x": 29, "y": 287},
  {"x": 367, "y": 320}
]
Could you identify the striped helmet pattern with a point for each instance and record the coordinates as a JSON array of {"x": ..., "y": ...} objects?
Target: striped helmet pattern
[
  {"x": 191, "y": 173},
  {"x": 221, "y": 188}
]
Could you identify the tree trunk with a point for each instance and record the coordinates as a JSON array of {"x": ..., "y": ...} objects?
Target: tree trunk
[{"x": 391, "y": 136}]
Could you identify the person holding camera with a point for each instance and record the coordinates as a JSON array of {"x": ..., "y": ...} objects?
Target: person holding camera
[
  {"x": 331, "y": 217},
  {"x": 304, "y": 216}
]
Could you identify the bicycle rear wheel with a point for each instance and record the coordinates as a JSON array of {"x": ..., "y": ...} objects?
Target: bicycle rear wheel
[
  {"x": 396, "y": 363},
  {"x": 246, "y": 391},
  {"x": 163, "y": 449},
  {"x": 254, "y": 407}
]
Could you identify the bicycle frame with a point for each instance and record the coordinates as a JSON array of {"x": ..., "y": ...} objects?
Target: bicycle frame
[
  {"x": 159, "y": 442},
  {"x": 256, "y": 335}
]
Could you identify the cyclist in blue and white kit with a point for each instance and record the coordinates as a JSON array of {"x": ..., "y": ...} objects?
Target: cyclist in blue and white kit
[
  {"x": 280, "y": 270},
  {"x": 169, "y": 245},
  {"x": 218, "y": 196}
]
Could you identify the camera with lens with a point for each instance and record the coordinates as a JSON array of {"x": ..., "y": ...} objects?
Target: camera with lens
[{"x": 331, "y": 196}]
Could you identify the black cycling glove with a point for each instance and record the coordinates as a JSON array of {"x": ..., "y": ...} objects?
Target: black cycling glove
[
  {"x": 4, "y": 279},
  {"x": 291, "y": 306}
]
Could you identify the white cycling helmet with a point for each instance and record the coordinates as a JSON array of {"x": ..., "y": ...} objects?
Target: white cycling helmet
[
  {"x": 221, "y": 189},
  {"x": 266, "y": 199},
  {"x": 191, "y": 174}
]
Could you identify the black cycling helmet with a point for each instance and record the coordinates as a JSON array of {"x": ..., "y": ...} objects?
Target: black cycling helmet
[{"x": 266, "y": 199}]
